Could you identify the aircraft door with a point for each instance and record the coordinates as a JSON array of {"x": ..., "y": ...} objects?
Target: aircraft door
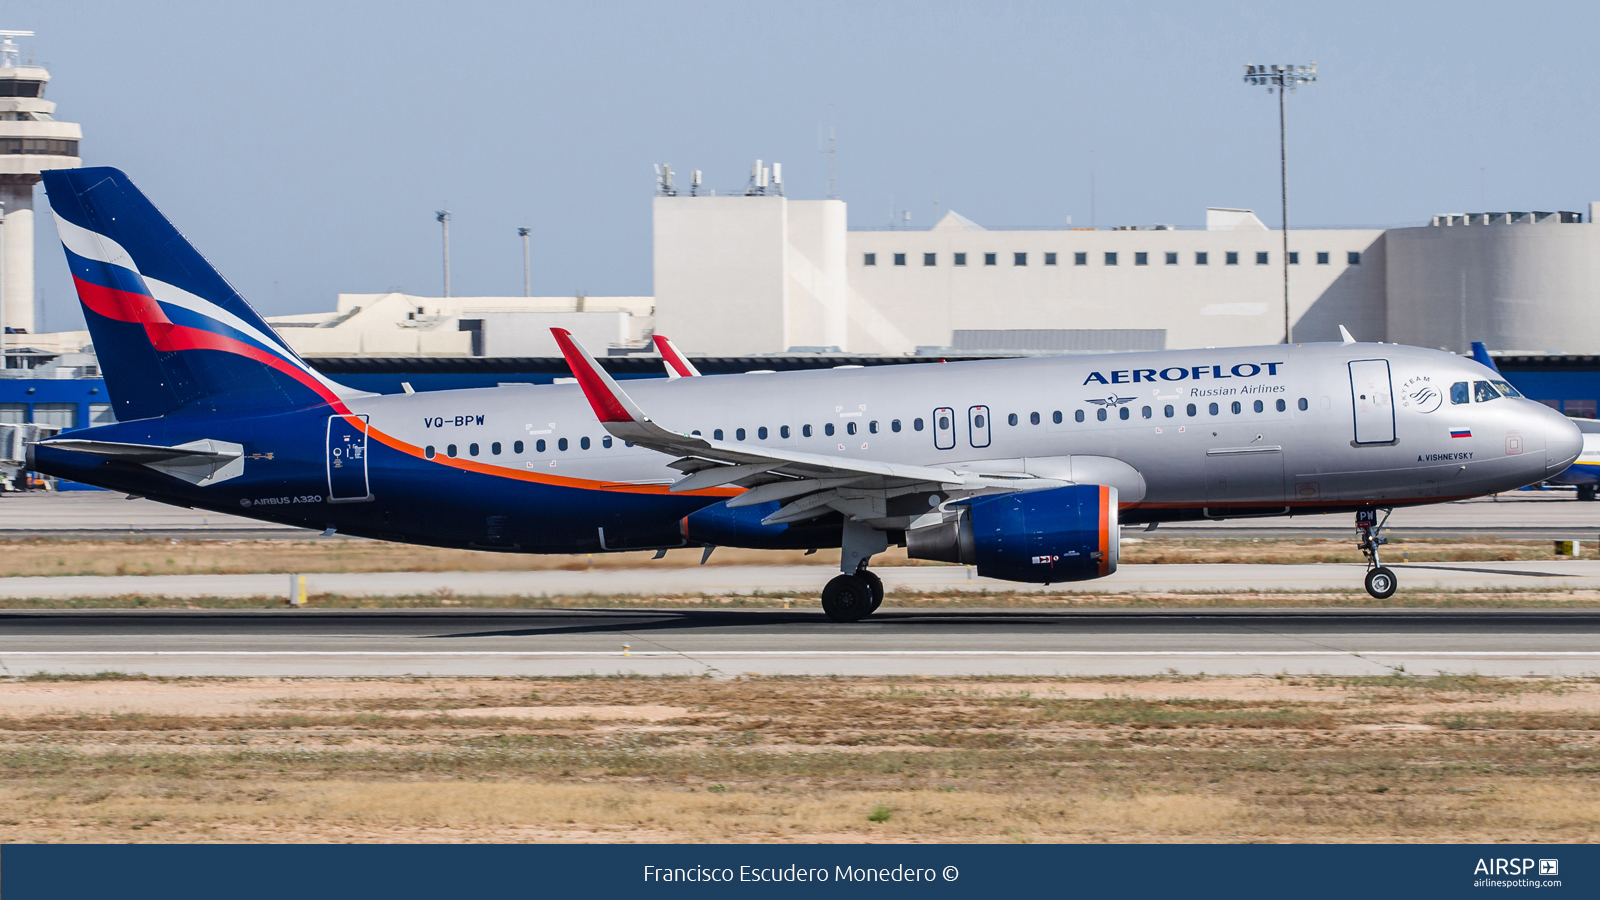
[
  {"x": 944, "y": 428},
  {"x": 347, "y": 459},
  {"x": 978, "y": 426},
  {"x": 1374, "y": 401}
]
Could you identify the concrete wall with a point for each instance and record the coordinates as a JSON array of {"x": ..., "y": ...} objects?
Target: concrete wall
[
  {"x": 720, "y": 273},
  {"x": 902, "y": 307},
  {"x": 1516, "y": 287}
]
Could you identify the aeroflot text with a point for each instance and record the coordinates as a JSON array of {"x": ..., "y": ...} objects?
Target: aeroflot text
[
  {"x": 1179, "y": 373},
  {"x": 790, "y": 874}
]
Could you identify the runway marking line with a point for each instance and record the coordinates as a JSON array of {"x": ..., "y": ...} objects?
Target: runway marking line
[{"x": 814, "y": 653}]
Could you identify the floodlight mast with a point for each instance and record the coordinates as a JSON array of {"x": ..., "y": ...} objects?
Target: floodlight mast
[
  {"x": 1282, "y": 79},
  {"x": 527, "y": 285}
]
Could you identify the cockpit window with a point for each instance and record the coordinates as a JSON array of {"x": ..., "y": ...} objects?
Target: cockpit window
[
  {"x": 1459, "y": 393},
  {"x": 1506, "y": 390},
  {"x": 1483, "y": 391}
]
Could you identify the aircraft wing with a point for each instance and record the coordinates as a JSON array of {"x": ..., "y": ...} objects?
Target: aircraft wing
[{"x": 811, "y": 483}]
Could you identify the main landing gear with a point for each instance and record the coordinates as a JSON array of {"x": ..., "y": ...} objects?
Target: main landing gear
[
  {"x": 1381, "y": 581},
  {"x": 858, "y": 592},
  {"x": 851, "y": 598}
]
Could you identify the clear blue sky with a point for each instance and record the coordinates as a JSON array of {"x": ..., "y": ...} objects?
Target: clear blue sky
[{"x": 305, "y": 146}]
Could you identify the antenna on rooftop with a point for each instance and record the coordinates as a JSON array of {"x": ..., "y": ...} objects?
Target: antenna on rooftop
[
  {"x": 694, "y": 183},
  {"x": 9, "y": 49},
  {"x": 833, "y": 186},
  {"x": 664, "y": 186}
]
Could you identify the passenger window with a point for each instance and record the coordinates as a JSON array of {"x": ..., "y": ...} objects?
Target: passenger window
[
  {"x": 1011, "y": 419},
  {"x": 1167, "y": 410},
  {"x": 1078, "y": 415},
  {"x": 561, "y": 445},
  {"x": 428, "y": 451},
  {"x": 1282, "y": 406},
  {"x": 1189, "y": 410},
  {"x": 1213, "y": 409},
  {"x": 1483, "y": 391},
  {"x": 873, "y": 426},
  {"x": 472, "y": 449},
  {"x": 805, "y": 431},
  {"x": 894, "y": 426},
  {"x": 1259, "y": 406},
  {"x": 1123, "y": 414},
  {"x": 1458, "y": 393},
  {"x": 606, "y": 442},
  {"x": 1033, "y": 418},
  {"x": 715, "y": 435},
  {"x": 850, "y": 428},
  {"x": 944, "y": 423},
  {"x": 738, "y": 434},
  {"x": 1056, "y": 417},
  {"x": 539, "y": 446},
  {"x": 494, "y": 448},
  {"x": 517, "y": 448},
  {"x": 583, "y": 443},
  {"x": 1146, "y": 413},
  {"x": 450, "y": 451},
  {"x": 1306, "y": 404},
  {"x": 916, "y": 424},
  {"x": 1100, "y": 414},
  {"x": 1506, "y": 390},
  {"x": 761, "y": 432},
  {"x": 783, "y": 432},
  {"x": 828, "y": 429},
  {"x": 1236, "y": 407}
]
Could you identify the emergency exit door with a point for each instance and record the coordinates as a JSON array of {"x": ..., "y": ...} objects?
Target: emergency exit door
[
  {"x": 1373, "y": 396},
  {"x": 347, "y": 459},
  {"x": 944, "y": 428}
]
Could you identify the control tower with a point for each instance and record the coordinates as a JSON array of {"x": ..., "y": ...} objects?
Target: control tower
[{"x": 31, "y": 140}]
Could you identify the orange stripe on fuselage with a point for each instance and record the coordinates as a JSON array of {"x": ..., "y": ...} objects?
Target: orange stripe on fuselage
[{"x": 585, "y": 484}]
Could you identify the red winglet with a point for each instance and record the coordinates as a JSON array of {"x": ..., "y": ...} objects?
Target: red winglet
[
  {"x": 670, "y": 353},
  {"x": 606, "y": 405}
]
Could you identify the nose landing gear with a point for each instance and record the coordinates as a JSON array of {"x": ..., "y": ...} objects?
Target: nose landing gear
[{"x": 1381, "y": 581}]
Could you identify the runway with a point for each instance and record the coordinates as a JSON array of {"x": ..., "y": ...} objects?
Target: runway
[
  {"x": 1522, "y": 514},
  {"x": 807, "y": 581},
  {"x": 781, "y": 642}
]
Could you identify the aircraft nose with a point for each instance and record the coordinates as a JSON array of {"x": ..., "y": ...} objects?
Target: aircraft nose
[{"x": 1562, "y": 441}]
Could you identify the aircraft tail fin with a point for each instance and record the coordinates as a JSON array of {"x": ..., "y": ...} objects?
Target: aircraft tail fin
[
  {"x": 170, "y": 332},
  {"x": 1480, "y": 353}
]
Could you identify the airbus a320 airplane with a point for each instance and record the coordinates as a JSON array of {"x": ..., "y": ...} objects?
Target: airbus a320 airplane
[{"x": 1023, "y": 468}]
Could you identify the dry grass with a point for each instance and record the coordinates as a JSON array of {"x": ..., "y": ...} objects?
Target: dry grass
[
  {"x": 147, "y": 556},
  {"x": 1443, "y": 759}
]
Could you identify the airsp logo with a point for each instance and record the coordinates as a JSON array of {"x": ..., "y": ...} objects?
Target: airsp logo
[{"x": 1420, "y": 395}]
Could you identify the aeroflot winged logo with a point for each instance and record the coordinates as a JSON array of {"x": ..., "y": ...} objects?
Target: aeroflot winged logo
[
  {"x": 1183, "y": 373},
  {"x": 1113, "y": 401}
]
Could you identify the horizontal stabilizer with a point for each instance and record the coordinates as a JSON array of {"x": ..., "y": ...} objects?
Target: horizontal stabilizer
[{"x": 198, "y": 462}]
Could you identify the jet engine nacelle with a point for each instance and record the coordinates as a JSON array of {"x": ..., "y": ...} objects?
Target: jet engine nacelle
[{"x": 1061, "y": 534}]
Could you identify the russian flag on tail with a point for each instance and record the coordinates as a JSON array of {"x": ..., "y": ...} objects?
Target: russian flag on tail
[{"x": 1460, "y": 432}]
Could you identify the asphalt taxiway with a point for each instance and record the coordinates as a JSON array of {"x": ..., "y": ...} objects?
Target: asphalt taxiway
[{"x": 309, "y": 643}]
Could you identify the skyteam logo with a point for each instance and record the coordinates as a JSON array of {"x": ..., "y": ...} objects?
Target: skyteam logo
[{"x": 1419, "y": 394}]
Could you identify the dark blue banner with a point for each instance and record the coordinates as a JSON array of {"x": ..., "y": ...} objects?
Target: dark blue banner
[{"x": 642, "y": 871}]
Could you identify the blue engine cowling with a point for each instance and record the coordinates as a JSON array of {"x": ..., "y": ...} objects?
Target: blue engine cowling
[{"x": 1060, "y": 534}]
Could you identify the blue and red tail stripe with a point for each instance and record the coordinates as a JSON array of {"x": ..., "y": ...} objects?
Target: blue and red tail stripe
[{"x": 170, "y": 332}]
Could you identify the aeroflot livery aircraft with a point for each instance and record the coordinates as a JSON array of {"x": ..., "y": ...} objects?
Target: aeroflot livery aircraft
[{"x": 1024, "y": 468}]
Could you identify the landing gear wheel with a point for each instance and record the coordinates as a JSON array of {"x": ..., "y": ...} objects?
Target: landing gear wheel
[
  {"x": 1381, "y": 582},
  {"x": 847, "y": 599},
  {"x": 874, "y": 582},
  {"x": 1586, "y": 493}
]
